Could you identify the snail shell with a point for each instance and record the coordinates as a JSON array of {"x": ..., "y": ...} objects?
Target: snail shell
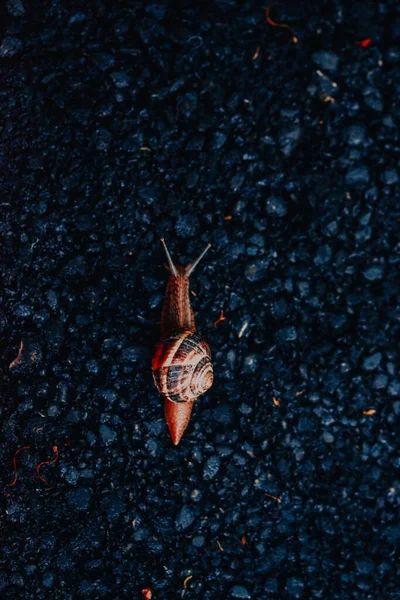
[{"x": 181, "y": 366}]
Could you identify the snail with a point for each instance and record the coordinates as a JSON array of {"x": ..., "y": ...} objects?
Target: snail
[{"x": 181, "y": 364}]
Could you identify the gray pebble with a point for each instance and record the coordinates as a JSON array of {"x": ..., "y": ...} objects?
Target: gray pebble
[
  {"x": 211, "y": 467},
  {"x": 357, "y": 176},
  {"x": 80, "y": 498},
  {"x": 374, "y": 273},
  {"x": 185, "y": 518},
  {"x": 198, "y": 541},
  {"x": 120, "y": 79},
  {"x": 372, "y": 362},
  {"x": 326, "y": 59},
  {"x": 15, "y": 8},
  {"x": 373, "y": 98},
  {"x": 390, "y": 176},
  {"x": 187, "y": 226},
  {"x": 287, "y": 334},
  {"x": 394, "y": 388},
  {"x": 276, "y": 206},
  {"x": 356, "y": 135},
  {"x": 239, "y": 591},
  {"x": 10, "y": 47},
  {"x": 218, "y": 140},
  {"x": 324, "y": 254},
  {"x": 107, "y": 434},
  {"x": 289, "y": 138},
  {"x": 256, "y": 271},
  {"x": 380, "y": 382},
  {"x": 328, "y": 437}
]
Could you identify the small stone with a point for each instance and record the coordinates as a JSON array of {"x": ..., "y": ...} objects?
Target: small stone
[
  {"x": 380, "y": 381},
  {"x": 326, "y": 59},
  {"x": 239, "y": 591},
  {"x": 135, "y": 354},
  {"x": 116, "y": 509},
  {"x": 356, "y": 135},
  {"x": 10, "y": 47},
  {"x": 198, "y": 541},
  {"x": 237, "y": 181},
  {"x": 120, "y": 79},
  {"x": 48, "y": 579},
  {"x": 390, "y": 176},
  {"x": 103, "y": 61},
  {"x": 223, "y": 413},
  {"x": 276, "y": 206},
  {"x": 15, "y": 8},
  {"x": 102, "y": 139},
  {"x": 289, "y": 137},
  {"x": 256, "y": 271},
  {"x": 394, "y": 388},
  {"x": 295, "y": 587},
  {"x": 357, "y": 176},
  {"x": 218, "y": 140},
  {"x": 211, "y": 467},
  {"x": 22, "y": 310},
  {"x": 323, "y": 255},
  {"x": 250, "y": 364},
  {"x": 108, "y": 435},
  {"x": 186, "y": 105},
  {"x": 185, "y": 518},
  {"x": 374, "y": 273},
  {"x": 187, "y": 226},
  {"x": 92, "y": 366},
  {"x": 373, "y": 98},
  {"x": 80, "y": 498},
  {"x": 287, "y": 334},
  {"x": 328, "y": 437},
  {"x": 372, "y": 362}
]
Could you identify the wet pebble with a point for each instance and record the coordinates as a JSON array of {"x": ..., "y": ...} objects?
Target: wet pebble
[
  {"x": 374, "y": 273},
  {"x": 187, "y": 226},
  {"x": 239, "y": 591},
  {"x": 328, "y": 437},
  {"x": 80, "y": 498},
  {"x": 357, "y": 177},
  {"x": 185, "y": 518},
  {"x": 372, "y": 362},
  {"x": 390, "y": 176},
  {"x": 326, "y": 59},
  {"x": 277, "y": 206},
  {"x": 211, "y": 467},
  {"x": 121, "y": 79},
  {"x": 10, "y": 47},
  {"x": 257, "y": 270},
  {"x": 356, "y": 135},
  {"x": 15, "y": 8},
  {"x": 107, "y": 434}
]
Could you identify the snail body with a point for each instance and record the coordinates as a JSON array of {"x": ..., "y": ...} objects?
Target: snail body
[{"x": 181, "y": 364}]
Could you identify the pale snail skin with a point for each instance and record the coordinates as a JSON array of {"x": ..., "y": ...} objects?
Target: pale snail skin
[{"x": 181, "y": 364}]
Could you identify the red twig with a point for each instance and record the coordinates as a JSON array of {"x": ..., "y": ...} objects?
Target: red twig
[
  {"x": 15, "y": 465},
  {"x": 283, "y": 25},
  {"x": 46, "y": 462},
  {"x": 365, "y": 43}
]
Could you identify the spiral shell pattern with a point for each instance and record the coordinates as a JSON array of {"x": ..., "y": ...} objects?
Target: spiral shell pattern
[{"x": 181, "y": 366}]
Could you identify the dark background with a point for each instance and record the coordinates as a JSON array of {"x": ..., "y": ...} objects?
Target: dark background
[{"x": 121, "y": 122}]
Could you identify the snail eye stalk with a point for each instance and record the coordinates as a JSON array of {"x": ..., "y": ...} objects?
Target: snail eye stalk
[
  {"x": 190, "y": 268},
  {"x": 171, "y": 265}
]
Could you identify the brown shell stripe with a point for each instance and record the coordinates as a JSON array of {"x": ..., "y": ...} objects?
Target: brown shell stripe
[{"x": 169, "y": 357}]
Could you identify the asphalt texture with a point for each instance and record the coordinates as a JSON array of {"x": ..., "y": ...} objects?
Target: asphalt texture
[{"x": 200, "y": 122}]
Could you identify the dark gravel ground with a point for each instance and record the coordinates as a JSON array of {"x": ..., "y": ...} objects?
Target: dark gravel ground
[{"x": 122, "y": 122}]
